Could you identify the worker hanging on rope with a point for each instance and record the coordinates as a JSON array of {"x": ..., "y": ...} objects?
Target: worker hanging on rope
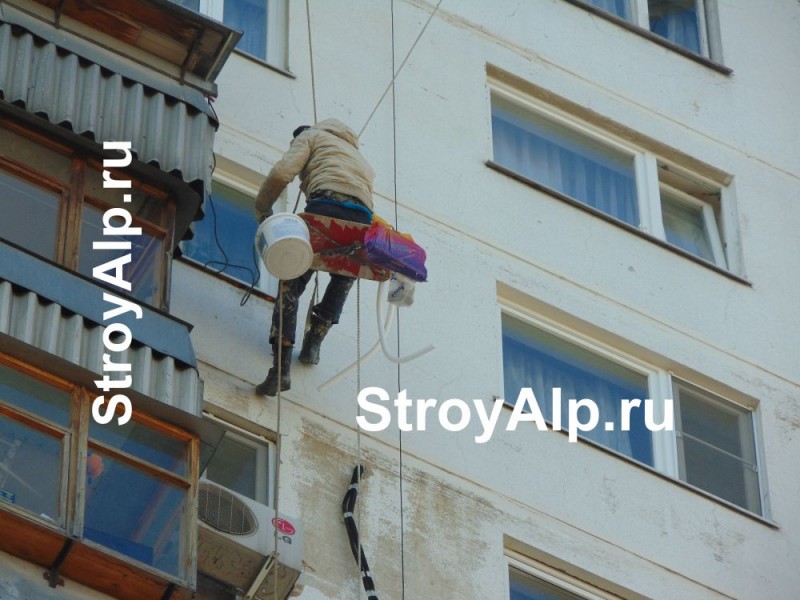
[{"x": 337, "y": 182}]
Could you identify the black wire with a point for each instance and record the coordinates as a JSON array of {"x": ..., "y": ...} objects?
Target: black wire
[
  {"x": 255, "y": 277},
  {"x": 348, "y": 506}
]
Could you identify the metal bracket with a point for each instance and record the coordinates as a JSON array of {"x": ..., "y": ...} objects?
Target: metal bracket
[{"x": 52, "y": 575}]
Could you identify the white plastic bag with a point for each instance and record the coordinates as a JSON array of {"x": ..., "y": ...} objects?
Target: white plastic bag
[{"x": 401, "y": 290}]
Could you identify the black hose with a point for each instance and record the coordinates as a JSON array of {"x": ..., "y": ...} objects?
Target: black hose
[{"x": 348, "y": 505}]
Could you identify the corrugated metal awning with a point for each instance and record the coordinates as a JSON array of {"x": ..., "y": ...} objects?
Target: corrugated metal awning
[
  {"x": 99, "y": 103},
  {"x": 52, "y": 318}
]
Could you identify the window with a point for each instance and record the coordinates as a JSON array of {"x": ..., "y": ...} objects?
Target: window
[
  {"x": 542, "y": 361},
  {"x": 683, "y": 22},
  {"x": 575, "y": 165},
  {"x": 716, "y": 446},
  {"x": 130, "y": 483},
  {"x": 262, "y": 23},
  {"x": 527, "y": 587},
  {"x": 243, "y": 463},
  {"x": 713, "y": 445},
  {"x": 532, "y": 580},
  {"x": 224, "y": 239},
  {"x": 561, "y": 155},
  {"x": 43, "y": 191}
]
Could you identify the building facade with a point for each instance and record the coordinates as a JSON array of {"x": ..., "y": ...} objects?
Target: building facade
[{"x": 591, "y": 181}]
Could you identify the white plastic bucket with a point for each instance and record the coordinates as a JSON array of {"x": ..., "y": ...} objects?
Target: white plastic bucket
[{"x": 282, "y": 242}]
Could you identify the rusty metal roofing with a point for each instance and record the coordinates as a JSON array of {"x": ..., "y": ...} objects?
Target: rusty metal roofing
[{"x": 100, "y": 103}]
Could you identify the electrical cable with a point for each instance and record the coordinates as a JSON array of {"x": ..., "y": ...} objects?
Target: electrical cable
[
  {"x": 348, "y": 508},
  {"x": 225, "y": 263}
]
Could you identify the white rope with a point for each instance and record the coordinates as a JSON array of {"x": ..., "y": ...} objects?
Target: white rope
[
  {"x": 279, "y": 441},
  {"x": 403, "y": 64}
]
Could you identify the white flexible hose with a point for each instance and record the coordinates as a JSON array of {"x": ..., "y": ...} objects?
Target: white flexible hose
[
  {"x": 347, "y": 370},
  {"x": 382, "y": 333}
]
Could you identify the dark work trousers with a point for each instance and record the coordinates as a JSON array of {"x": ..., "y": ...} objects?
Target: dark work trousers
[{"x": 330, "y": 308}]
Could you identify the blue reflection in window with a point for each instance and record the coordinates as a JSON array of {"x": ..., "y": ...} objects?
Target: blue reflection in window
[
  {"x": 135, "y": 514},
  {"x": 223, "y": 239}
]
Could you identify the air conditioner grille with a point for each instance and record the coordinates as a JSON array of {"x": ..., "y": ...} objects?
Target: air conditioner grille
[{"x": 223, "y": 511}]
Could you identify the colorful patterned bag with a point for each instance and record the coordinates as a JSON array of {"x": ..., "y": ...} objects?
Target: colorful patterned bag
[{"x": 395, "y": 251}]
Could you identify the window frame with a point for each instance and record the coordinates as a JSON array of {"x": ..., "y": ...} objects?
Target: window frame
[
  {"x": 555, "y": 577},
  {"x": 710, "y": 54},
  {"x": 277, "y": 30},
  {"x": 250, "y": 438},
  {"x": 267, "y": 286},
  {"x": 74, "y": 195},
  {"x": 76, "y": 445},
  {"x": 661, "y": 384},
  {"x": 646, "y": 167}
]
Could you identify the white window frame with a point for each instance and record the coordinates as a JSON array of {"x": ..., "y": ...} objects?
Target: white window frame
[
  {"x": 640, "y": 12},
  {"x": 661, "y": 382},
  {"x": 555, "y": 577},
  {"x": 707, "y": 14},
  {"x": 277, "y": 26},
  {"x": 265, "y": 458},
  {"x": 709, "y": 220},
  {"x": 646, "y": 169}
]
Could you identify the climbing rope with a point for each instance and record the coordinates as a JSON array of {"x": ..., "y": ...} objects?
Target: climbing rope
[
  {"x": 403, "y": 64},
  {"x": 396, "y": 226},
  {"x": 279, "y": 441},
  {"x": 359, "y": 469}
]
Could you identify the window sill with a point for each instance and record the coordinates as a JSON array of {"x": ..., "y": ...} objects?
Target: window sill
[
  {"x": 264, "y": 63},
  {"x": 685, "y": 485},
  {"x": 616, "y": 222},
  {"x": 40, "y": 542},
  {"x": 655, "y": 38},
  {"x": 226, "y": 278}
]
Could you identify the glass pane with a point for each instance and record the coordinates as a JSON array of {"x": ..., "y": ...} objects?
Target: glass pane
[
  {"x": 146, "y": 269},
  {"x": 719, "y": 452},
  {"x": 135, "y": 514},
  {"x": 28, "y": 393},
  {"x": 250, "y": 17},
  {"x": 685, "y": 226},
  {"x": 235, "y": 466},
  {"x": 30, "y": 469},
  {"x": 190, "y": 4},
  {"x": 565, "y": 161},
  {"x": 30, "y": 215},
  {"x": 143, "y": 442},
  {"x": 722, "y": 475},
  {"x": 677, "y": 21},
  {"x": 539, "y": 360},
  {"x": 527, "y": 587},
  {"x": 706, "y": 421},
  {"x": 223, "y": 240},
  {"x": 616, "y": 7}
]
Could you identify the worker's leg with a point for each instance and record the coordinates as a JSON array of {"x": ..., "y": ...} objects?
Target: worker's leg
[
  {"x": 324, "y": 315},
  {"x": 290, "y": 291}
]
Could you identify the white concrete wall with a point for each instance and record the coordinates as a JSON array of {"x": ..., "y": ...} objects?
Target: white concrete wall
[{"x": 483, "y": 232}]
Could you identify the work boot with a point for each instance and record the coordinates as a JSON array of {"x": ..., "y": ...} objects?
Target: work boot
[
  {"x": 269, "y": 387},
  {"x": 309, "y": 353}
]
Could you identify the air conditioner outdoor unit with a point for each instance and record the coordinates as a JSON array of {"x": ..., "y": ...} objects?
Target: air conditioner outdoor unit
[{"x": 236, "y": 539}]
